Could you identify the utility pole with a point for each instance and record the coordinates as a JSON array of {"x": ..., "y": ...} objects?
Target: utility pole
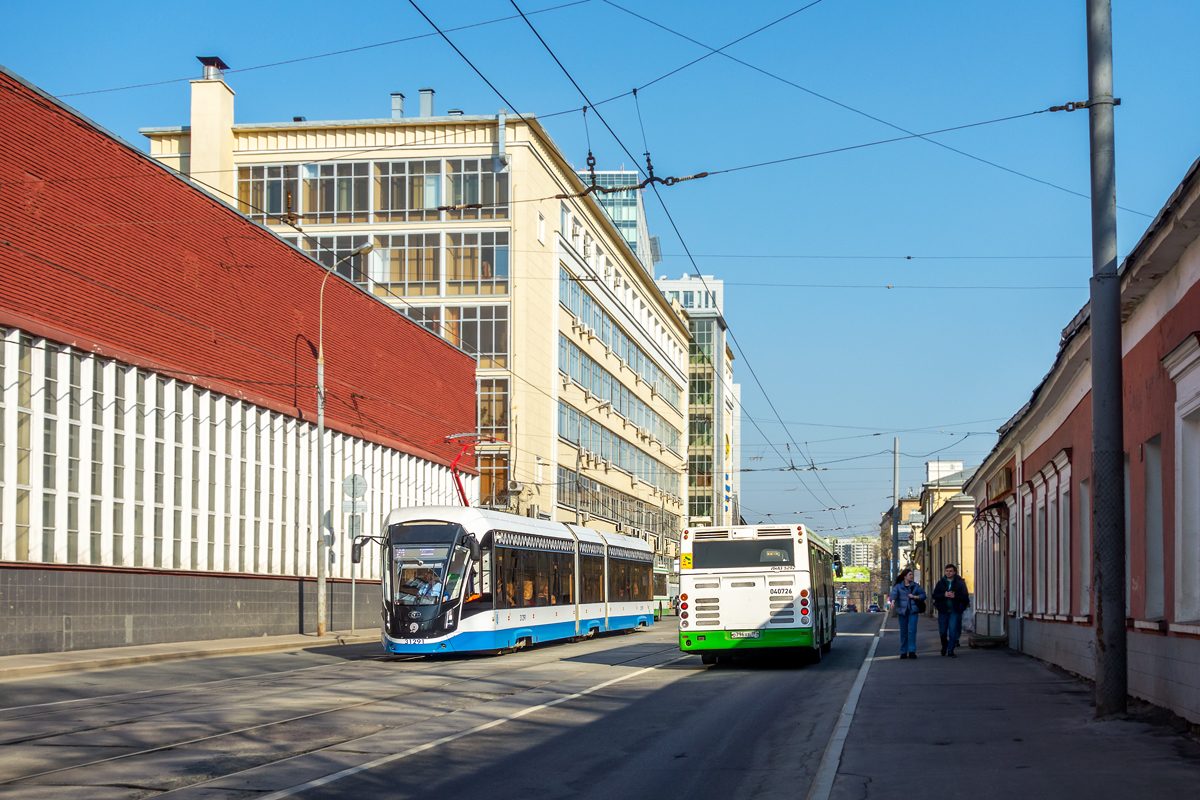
[
  {"x": 1108, "y": 439},
  {"x": 895, "y": 507}
]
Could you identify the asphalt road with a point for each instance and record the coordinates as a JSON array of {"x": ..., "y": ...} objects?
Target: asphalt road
[{"x": 624, "y": 716}]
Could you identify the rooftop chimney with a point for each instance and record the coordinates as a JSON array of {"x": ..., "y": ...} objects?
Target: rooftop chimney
[
  {"x": 213, "y": 66},
  {"x": 427, "y": 102},
  {"x": 298, "y": 119},
  {"x": 397, "y": 105},
  {"x": 455, "y": 112}
]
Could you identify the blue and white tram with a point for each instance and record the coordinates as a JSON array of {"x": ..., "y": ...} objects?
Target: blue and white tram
[{"x": 461, "y": 579}]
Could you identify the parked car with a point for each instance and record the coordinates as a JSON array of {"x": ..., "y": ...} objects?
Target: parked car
[
  {"x": 851, "y": 608},
  {"x": 873, "y": 607}
]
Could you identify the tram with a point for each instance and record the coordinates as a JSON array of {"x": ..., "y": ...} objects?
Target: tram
[{"x": 463, "y": 580}]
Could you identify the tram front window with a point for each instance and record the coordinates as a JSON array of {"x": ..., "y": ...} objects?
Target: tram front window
[{"x": 420, "y": 574}]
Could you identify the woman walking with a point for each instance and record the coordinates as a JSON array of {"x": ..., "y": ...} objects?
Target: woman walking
[{"x": 906, "y": 594}]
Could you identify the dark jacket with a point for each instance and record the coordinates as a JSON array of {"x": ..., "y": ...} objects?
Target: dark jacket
[
  {"x": 959, "y": 603},
  {"x": 900, "y": 598}
]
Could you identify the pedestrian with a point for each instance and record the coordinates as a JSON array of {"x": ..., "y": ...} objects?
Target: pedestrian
[
  {"x": 908, "y": 599},
  {"x": 951, "y": 599}
]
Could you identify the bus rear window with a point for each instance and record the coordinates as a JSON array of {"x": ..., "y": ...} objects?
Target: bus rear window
[{"x": 746, "y": 553}]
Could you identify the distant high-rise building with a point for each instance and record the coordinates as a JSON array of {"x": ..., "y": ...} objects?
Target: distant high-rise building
[
  {"x": 626, "y": 211},
  {"x": 857, "y": 551}
]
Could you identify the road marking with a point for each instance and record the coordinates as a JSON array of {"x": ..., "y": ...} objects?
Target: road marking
[
  {"x": 822, "y": 784},
  {"x": 346, "y": 773},
  {"x": 840, "y": 634}
]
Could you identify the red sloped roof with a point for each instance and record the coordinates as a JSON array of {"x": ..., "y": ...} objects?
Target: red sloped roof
[{"x": 105, "y": 249}]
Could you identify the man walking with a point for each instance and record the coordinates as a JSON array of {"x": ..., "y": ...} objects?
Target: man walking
[{"x": 951, "y": 599}]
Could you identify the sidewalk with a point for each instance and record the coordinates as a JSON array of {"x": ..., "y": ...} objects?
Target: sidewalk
[
  {"x": 997, "y": 724},
  {"x": 34, "y": 664}
]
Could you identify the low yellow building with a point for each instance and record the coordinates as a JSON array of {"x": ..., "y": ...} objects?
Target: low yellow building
[{"x": 479, "y": 232}]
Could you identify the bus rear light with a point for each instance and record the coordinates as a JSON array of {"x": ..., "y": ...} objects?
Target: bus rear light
[
  {"x": 804, "y": 604},
  {"x": 685, "y": 534},
  {"x": 683, "y": 606},
  {"x": 804, "y": 592},
  {"x": 683, "y": 615},
  {"x": 683, "y": 596}
]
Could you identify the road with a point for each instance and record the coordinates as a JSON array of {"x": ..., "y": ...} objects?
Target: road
[{"x": 619, "y": 716}]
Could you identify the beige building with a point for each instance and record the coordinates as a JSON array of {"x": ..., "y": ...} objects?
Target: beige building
[
  {"x": 479, "y": 233},
  {"x": 948, "y": 535}
]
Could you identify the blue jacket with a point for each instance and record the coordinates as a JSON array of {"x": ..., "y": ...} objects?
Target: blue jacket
[{"x": 900, "y": 598}]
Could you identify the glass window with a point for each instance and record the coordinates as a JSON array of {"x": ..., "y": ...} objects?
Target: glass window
[
  {"x": 407, "y": 191},
  {"x": 480, "y": 330},
  {"x": 746, "y": 553},
  {"x": 406, "y": 265},
  {"x": 270, "y": 195},
  {"x": 476, "y": 181},
  {"x": 336, "y": 250},
  {"x": 336, "y": 192},
  {"x": 493, "y": 479},
  {"x": 477, "y": 263},
  {"x": 493, "y": 407},
  {"x": 429, "y": 317}
]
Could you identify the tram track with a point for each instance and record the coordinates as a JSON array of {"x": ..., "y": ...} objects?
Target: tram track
[{"x": 297, "y": 718}]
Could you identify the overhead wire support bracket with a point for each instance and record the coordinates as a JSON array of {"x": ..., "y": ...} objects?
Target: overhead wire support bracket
[{"x": 1116, "y": 101}]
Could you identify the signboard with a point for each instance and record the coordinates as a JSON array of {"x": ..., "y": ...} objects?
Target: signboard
[
  {"x": 355, "y": 486},
  {"x": 856, "y": 574},
  {"x": 354, "y": 506},
  {"x": 355, "y": 528}
]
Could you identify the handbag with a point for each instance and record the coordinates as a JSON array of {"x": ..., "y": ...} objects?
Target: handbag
[{"x": 919, "y": 602}]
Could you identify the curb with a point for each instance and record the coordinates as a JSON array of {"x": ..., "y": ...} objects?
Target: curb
[{"x": 151, "y": 658}]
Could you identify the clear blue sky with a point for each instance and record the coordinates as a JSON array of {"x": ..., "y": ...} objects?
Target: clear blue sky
[{"x": 837, "y": 362}]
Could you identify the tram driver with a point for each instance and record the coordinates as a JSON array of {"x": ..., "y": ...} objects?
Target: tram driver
[{"x": 425, "y": 585}]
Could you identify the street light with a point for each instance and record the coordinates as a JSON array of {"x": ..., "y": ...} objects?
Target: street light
[{"x": 322, "y": 566}]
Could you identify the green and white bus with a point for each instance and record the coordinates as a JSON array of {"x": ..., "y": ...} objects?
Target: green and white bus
[{"x": 756, "y": 587}]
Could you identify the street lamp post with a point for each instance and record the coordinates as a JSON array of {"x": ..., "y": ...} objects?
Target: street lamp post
[{"x": 322, "y": 563}]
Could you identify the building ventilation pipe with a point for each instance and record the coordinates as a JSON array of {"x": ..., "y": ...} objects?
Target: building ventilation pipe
[
  {"x": 213, "y": 66},
  {"x": 397, "y": 105},
  {"x": 427, "y": 102}
]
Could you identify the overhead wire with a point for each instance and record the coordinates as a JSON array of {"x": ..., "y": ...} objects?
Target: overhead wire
[
  {"x": 846, "y": 106},
  {"x": 673, "y": 225}
]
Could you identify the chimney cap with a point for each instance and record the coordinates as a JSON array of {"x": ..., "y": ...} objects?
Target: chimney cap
[
  {"x": 398, "y": 94},
  {"x": 299, "y": 119},
  {"x": 213, "y": 61},
  {"x": 427, "y": 89},
  {"x": 455, "y": 112}
]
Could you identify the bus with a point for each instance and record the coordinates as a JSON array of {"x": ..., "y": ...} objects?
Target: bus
[
  {"x": 469, "y": 580},
  {"x": 756, "y": 588}
]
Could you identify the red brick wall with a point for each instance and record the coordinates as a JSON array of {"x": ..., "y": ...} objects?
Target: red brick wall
[{"x": 102, "y": 248}]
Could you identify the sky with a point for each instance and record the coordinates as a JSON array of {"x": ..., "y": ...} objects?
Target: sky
[{"x": 986, "y": 266}]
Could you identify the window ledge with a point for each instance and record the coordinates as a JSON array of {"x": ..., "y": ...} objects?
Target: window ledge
[
  {"x": 1082, "y": 618},
  {"x": 1192, "y": 627},
  {"x": 1150, "y": 624},
  {"x": 1060, "y": 617}
]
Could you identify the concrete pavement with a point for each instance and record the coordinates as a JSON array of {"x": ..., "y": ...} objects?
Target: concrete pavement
[
  {"x": 997, "y": 724},
  {"x": 35, "y": 664}
]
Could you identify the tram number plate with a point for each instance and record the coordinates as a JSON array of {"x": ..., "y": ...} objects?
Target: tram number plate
[
  {"x": 412, "y": 641},
  {"x": 745, "y": 634}
]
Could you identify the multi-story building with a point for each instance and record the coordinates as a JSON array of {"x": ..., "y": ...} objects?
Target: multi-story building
[
  {"x": 160, "y": 449},
  {"x": 582, "y": 363},
  {"x": 714, "y": 403},
  {"x": 626, "y": 210},
  {"x": 857, "y": 551},
  {"x": 947, "y": 535}
]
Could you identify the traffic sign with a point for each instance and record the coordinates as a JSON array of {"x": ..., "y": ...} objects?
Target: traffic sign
[
  {"x": 354, "y": 506},
  {"x": 355, "y": 486}
]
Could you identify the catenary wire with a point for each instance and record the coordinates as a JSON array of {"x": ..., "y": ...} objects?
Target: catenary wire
[
  {"x": 674, "y": 226},
  {"x": 859, "y": 111}
]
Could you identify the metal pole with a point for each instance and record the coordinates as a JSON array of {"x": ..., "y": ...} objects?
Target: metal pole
[
  {"x": 895, "y": 507},
  {"x": 353, "y": 588},
  {"x": 1108, "y": 439},
  {"x": 321, "y": 555},
  {"x": 578, "y": 488}
]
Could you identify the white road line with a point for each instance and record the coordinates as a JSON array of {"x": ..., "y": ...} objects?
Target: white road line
[
  {"x": 822, "y": 785},
  {"x": 346, "y": 773}
]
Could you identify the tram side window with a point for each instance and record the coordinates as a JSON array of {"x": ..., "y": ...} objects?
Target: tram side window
[
  {"x": 531, "y": 578},
  {"x": 628, "y": 581},
  {"x": 592, "y": 579}
]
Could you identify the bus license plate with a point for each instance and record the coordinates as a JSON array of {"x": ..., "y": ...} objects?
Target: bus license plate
[{"x": 745, "y": 634}]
